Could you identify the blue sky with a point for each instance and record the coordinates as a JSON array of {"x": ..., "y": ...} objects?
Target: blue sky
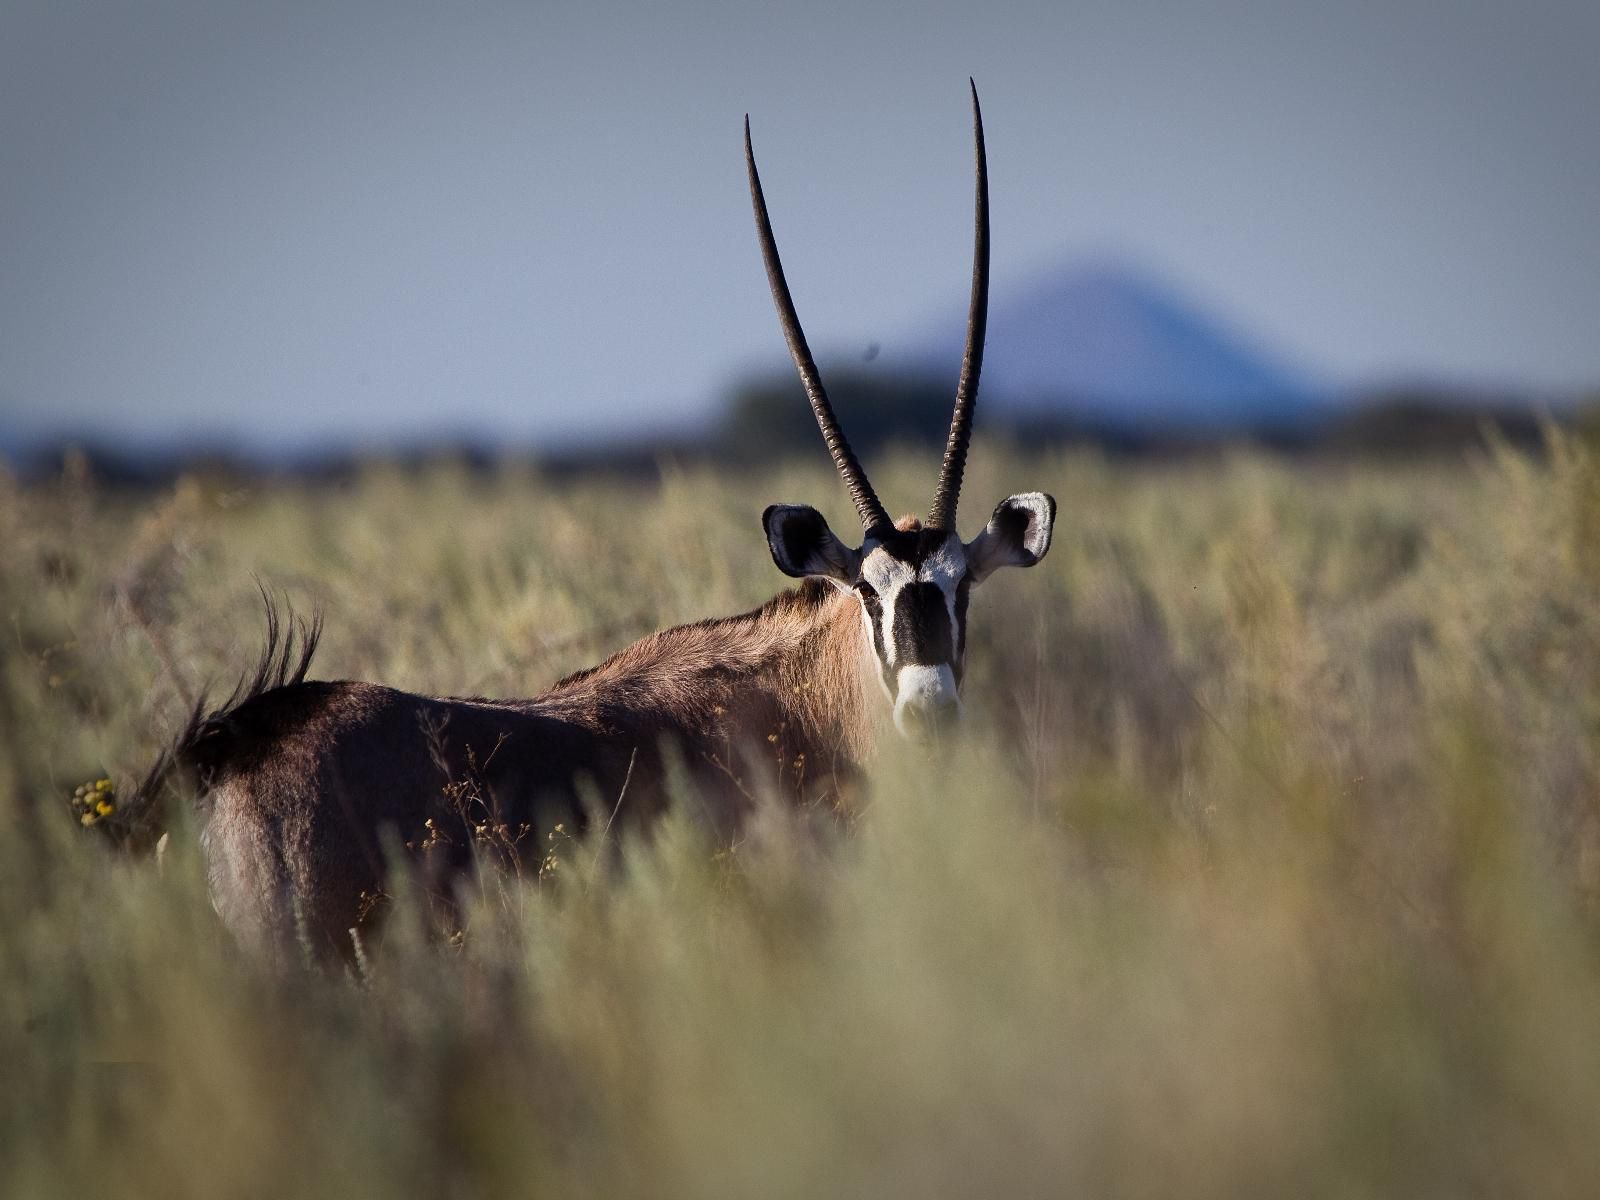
[{"x": 281, "y": 223}]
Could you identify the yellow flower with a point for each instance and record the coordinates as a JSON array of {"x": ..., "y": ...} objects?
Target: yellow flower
[
  {"x": 105, "y": 808},
  {"x": 88, "y": 818}
]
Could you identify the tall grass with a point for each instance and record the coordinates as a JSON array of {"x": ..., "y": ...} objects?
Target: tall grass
[{"x": 1269, "y": 864}]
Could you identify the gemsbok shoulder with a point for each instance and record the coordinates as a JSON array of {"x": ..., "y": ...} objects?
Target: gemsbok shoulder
[{"x": 305, "y": 786}]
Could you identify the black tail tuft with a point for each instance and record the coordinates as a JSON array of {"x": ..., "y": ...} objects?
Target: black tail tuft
[
  {"x": 199, "y": 750},
  {"x": 279, "y": 664}
]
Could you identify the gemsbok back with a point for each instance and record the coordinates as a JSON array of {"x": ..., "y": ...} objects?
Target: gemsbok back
[{"x": 304, "y": 786}]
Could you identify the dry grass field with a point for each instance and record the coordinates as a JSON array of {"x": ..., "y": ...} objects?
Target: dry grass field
[{"x": 1267, "y": 865}]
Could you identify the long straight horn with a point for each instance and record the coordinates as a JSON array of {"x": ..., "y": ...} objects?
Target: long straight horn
[
  {"x": 945, "y": 499},
  {"x": 873, "y": 516}
]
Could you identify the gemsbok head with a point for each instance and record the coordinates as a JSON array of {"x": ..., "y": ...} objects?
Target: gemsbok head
[
  {"x": 306, "y": 788},
  {"x": 912, "y": 579}
]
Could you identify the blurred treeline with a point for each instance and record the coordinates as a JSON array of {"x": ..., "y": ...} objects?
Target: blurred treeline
[{"x": 766, "y": 418}]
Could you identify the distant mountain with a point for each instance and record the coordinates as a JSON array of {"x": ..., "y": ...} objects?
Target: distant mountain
[{"x": 1109, "y": 346}]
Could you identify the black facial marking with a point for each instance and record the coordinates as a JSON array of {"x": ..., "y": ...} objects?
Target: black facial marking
[
  {"x": 922, "y": 626},
  {"x": 963, "y": 594},
  {"x": 912, "y": 546},
  {"x": 873, "y": 603}
]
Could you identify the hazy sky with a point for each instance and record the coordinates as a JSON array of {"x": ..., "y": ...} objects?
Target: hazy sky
[{"x": 294, "y": 220}]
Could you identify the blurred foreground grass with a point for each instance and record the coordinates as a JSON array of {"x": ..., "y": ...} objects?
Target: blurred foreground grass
[{"x": 1270, "y": 866}]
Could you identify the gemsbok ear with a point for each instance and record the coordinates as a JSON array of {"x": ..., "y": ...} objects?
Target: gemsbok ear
[
  {"x": 1018, "y": 535},
  {"x": 802, "y": 544}
]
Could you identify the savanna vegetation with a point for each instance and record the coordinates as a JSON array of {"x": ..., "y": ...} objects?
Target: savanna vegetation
[{"x": 1267, "y": 865}]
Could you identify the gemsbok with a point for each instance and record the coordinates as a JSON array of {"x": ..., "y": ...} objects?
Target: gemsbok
[{"x": 304, "y": 786}]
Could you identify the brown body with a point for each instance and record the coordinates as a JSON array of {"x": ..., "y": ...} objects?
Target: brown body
[{"x": 309, "y": 787}]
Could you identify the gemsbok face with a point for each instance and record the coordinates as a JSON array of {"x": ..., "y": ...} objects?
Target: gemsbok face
[
  {"x": 912, "y": 580},
  {"x": 912, "y": 584}
]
